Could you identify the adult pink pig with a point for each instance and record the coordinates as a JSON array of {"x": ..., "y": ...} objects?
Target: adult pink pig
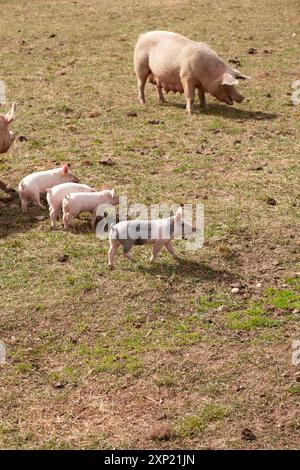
[
  {"x": 6, "y": 136},
  {"x": 175, "y": 63}
]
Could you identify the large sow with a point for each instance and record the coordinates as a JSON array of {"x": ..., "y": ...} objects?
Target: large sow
[{"x": 175, "y": 63}]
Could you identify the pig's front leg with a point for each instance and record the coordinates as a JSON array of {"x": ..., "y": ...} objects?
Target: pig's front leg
[
  {"x": 189, "y": 91},
  {"x": 157, "y": 246},
  {"x": 94, "y": 217},
  {"x": 171, "y": 250},
  {"x": 202, "y": 100}
]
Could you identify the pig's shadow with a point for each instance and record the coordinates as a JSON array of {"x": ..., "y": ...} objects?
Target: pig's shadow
[
  {"x": 227, "y": 111},
  {"x": 189, "y": 268}
]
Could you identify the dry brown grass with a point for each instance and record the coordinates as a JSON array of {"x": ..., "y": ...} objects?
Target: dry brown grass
[{"x": 98, "y": 359}]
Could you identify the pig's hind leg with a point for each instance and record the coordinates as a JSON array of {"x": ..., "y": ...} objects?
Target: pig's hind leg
[
  {"x": 141, "y": 87},
  {"x": 67, "y": 218},
  {"x": 142, "y": 72},
  {"x": 24, "y": 203},
  {"x": 114, "y": 245},
  {"x": 53, "y": 218},
  {"x": 157, "y": 246},
  {"x": 171, "y": 250}
]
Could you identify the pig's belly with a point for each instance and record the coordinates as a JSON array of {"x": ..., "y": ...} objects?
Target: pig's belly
[
  {"x": 164, "y": 74},
  {"x": 166, "y": 83}
]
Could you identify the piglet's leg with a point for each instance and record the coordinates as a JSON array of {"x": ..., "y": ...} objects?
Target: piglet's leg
[
  {"x": 24, "y": 204},
  {"x": 114, "y": 245},
  {"x": 128, "y": 256},
  {"x": 171, "y": 250},
  {"x": 67, "y": 220},
  {"x": 94, "y": 217},
  {"x": 53, "y": 218},
  {"x": 157, "y": 246}
]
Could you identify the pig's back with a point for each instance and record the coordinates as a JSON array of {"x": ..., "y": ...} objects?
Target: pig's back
[
  {"x": 40, "y": 180},
  {"x": 60, "y": 190},
  {"x": 170, "y": 53},
  {"x": 85, "y": 201}
]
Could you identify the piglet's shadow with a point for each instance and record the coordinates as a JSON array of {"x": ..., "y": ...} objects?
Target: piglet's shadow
[
  {"x": 189, "y": 268},
  {"x": 12, "y": 219},
  {"x": 229, "y": 112}
]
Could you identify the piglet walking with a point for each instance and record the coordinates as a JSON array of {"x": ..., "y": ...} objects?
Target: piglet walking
[
  {"x": 95, "y": 202},
  {"x": 35, "y": 184},
  {"x": 158, "y": 232}
]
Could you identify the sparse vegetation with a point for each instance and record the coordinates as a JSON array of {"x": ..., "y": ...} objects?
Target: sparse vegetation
[{"x": 96, "y": 359}]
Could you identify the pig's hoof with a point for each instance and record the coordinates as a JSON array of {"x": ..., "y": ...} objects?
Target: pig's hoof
[{"x": 111, "y": 266}]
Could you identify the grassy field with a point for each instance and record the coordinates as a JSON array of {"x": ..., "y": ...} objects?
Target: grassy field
[{"x": 161, "y": 356}]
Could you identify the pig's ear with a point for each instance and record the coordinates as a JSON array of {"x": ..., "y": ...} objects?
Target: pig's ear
[
  {"x": 178, "y": 215},
  {"x": 104, "y": 186},
  {"x": 240, "y": 75},
  {"x": 94, "y": 190},
  {"x": 10, "y": 116},
  {"x": 112, "y": 193},
  {"x": 65, "y": 169},
  {"x": 229, "y": 80}
]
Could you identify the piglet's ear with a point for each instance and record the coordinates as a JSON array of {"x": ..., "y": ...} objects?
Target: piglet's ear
[
  {"x": 178, "y": 215},
  {"x": 10, "y": 116},
  {"x": 65, "y": 169},
  {"x": 229, "y": 80},
  {"x": 94, "y": 190},
  {"x": 104, "y": 186}
]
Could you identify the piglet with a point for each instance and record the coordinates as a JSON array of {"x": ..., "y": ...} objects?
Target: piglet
[
  {"x": 75, "y": 203},
  {"x": 56, "y": 194},
  {"x": 158, "y": 232},
  {"x": 32, "y": 186}
]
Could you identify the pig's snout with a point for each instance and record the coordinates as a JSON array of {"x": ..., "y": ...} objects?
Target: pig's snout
[
  {"x": 228, "y": 100},
  {"x": 75, "y": 179},
  {"x": 238, "y": 98}
]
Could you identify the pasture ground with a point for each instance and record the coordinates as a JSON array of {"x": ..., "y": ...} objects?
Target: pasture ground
[{"x": 162, "y": 356}]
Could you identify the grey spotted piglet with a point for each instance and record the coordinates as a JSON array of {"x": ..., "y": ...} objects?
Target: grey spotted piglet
[{"x": 158, "y": 232}]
